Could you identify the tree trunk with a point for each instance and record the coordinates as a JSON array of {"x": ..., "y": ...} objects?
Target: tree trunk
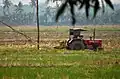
[{"x": 37, "y": 13}]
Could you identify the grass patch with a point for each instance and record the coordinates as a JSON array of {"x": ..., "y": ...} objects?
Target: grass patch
[
  {"x": 74, "y": 72},
  {"x": 30, "y": 63}
]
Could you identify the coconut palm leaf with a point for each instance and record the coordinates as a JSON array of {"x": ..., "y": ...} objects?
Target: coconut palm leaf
[
  {"x": 87, "y": 4},
  {"x": 61, "y": 10}
]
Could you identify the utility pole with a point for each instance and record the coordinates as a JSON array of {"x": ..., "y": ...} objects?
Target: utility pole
[{"x": 38, "y": 28}]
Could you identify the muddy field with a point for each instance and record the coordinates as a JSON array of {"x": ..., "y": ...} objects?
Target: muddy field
[{"x": 51, "y": 36}]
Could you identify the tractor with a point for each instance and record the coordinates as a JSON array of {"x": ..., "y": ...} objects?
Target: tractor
[{"x": 76, "y": 41}]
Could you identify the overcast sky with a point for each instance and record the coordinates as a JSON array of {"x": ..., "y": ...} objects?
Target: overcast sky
[
  {"x": 27, "y": 1},
  {"x": 24, "y": 1}
]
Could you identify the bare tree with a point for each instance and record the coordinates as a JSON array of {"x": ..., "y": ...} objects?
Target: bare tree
[{"x": 38, "y": 28}]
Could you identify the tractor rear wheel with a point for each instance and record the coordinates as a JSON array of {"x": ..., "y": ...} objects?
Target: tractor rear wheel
[{"x": 77, "y": 45}]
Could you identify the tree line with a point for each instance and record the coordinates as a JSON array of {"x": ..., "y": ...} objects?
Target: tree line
[{"x": 17, "y": 14}]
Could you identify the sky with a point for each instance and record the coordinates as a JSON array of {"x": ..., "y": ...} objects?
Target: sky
[
  {"x": 27, "y": 1},
  {"x": 24, "y": 1}
]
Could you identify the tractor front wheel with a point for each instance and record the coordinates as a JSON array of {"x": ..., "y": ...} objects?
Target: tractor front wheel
[{"x": 95, "y": 46}]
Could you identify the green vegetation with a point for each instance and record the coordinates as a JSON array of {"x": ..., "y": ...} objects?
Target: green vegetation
[
  {"x": 74, "y": 72},
  {"x": 22, "y": 62},
  {"x": 24, "y": 14},
  {"x": 26, "y": 62}
]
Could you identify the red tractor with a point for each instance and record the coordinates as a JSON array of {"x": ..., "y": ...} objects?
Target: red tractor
[{"x": 77, "y": 42}]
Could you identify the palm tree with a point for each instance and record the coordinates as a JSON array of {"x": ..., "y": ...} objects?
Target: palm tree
[
  {"x": 6, "y": 5},
  {"x": 33, "y": 5},
  {"x": 19, "y": 8},
  {"x": 47, "y": 14},
  {"x": 19, "y": 12}
]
